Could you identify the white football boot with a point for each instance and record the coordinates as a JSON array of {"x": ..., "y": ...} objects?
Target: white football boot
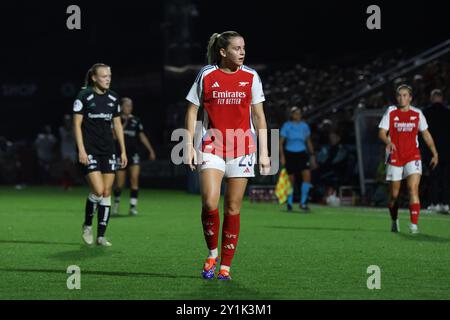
[
  {"x": 115, "y": 209},
  {"x": 88, "y": 238},
  {"x": 133, "y": 212},
  {"x": 101, "y": 241},
  {"x": 413, "y": 228}
]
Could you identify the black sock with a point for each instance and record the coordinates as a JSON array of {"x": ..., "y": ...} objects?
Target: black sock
[
  {"x": 103, "y": 219},
  {"x": 91, "y": 207},
  {"x": 117, "y": 194},
  {"x": 133, "y": 197}
]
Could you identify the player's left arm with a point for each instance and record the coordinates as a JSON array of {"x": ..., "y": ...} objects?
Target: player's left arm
[
  {"x": 259, "y": 120},
  {"x": 120, "y": 137},
  {"x": 426, "y": 135},
  {"x": 143, "y": 138}
]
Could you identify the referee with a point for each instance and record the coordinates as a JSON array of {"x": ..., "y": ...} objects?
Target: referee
[
  {"x": 95, "y": 109},
  {"x": 295, "y": 139}
]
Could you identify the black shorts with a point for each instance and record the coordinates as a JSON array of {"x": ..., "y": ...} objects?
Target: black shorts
[
  {"x": 102, "y": 163},
  {"x": 296, "y": 162},
  {"x": 133, "y": 160}
]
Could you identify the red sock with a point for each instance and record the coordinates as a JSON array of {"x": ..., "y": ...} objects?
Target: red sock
[
  {"x": 211, "y": 227},
  {"x": 230, "y": 235},
  {"x": 393, "y": 210},
  {"x": 414, "y": 211}
]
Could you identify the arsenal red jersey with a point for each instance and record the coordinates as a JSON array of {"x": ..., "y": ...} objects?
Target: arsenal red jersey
[
  {"x": 227, "y": 128},
  {"x": 403, "y": 127}
]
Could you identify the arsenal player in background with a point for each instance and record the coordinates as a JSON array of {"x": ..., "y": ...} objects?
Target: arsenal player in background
[
  {"x": 232, "y": 99},
  {"x": 403, "y": 122}
]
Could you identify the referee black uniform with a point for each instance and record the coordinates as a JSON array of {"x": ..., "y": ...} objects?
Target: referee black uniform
[{"x": 438, "y": 115}]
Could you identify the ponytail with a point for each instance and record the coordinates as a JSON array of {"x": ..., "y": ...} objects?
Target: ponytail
[{"x": 211, "y": 52}]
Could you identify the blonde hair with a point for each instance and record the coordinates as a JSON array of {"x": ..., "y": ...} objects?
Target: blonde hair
[
  {"x": 125, "y": 99},
  {"x": 216, "y": 42},
  {"x": 88, "y": 82},
  {"x": 404, "y": 87}
]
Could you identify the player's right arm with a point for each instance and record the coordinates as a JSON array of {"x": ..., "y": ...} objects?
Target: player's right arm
[
  {"x": 190, "y": 119},
  {"x": 384, "y": 137},
  {"x": 194, "y": 97},
  {"x": 78, "y": 113},
  {"x": 82, "y": 155},
  {"x": 383, "y": 132}
]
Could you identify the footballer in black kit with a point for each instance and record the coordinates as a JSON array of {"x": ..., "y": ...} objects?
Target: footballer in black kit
[
  {"x": 134, "y": 136},
  {"x": 132, "y": 127},
  {"x": 96, "y": 114}
]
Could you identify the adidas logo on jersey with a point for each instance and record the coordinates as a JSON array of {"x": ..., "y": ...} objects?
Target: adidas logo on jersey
[
  {"x": 247, "y": 170},
  {"x": 215, "y": 85},
  {"x": 111, "y": 104},
  {"x": 396, "y": 119}
]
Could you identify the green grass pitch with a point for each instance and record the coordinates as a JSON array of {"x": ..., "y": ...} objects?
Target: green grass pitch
[{"x": 159, "y": 253}]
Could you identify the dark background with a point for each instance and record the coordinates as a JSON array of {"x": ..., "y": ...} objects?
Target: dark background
[{"x": 43, "y": 63}]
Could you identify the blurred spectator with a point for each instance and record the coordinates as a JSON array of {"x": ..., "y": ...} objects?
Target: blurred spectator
[
  {"x": 7, "y": 161},
  {"x": 45, "y": 150},
  {"x": 438, "y": 116},
  {"x": 68, "y": 152},
  {"x": 381, "y": 188},
  {"x": 332, "y": 160},
  {"x": 24, "y": 162}
]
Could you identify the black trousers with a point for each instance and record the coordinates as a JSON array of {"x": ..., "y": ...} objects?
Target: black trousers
[{"x": 440, "y": 184}]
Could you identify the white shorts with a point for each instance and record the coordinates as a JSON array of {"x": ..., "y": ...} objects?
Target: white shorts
[
  {"x": 240, "y": 167},
  {"x": 394, "y": 173}
]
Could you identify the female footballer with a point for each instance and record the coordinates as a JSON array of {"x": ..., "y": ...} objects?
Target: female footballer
[
  {"x": 295, "y": 139},
  {"x": 232, "y": 98},
  {"x": 403, "y": 122},
  {"x": 134, "y": 133},
  {"x": 95, "y": 107}
]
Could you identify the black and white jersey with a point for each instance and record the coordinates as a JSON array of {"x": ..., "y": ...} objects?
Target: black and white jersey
[
  {"x": 98, "y": 110},
  {"x": 132, "y": 127}
]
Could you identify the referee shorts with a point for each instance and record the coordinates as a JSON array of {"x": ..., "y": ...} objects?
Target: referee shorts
[{"x": 296, "y": 162}]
